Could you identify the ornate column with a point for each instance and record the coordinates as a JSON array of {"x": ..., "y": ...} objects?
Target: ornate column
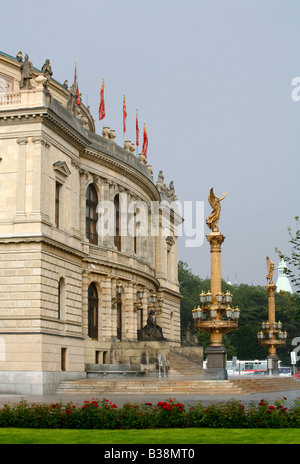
[
  {"x": 211, "y": 318},
  {"x": 271, "y": 335}
]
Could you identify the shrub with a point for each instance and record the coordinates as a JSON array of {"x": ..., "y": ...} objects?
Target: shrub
[{"x": 104, "y": 414}]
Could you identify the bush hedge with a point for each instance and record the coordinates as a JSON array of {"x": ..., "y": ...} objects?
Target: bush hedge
[{"x": 104, "y": 414}]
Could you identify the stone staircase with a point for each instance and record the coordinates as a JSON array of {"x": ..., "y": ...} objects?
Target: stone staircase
[
  {"x": 266, "y": 384},
  {"x": 180, "y": 365},
  {"x": 167, "y": 385},
  {"x": 138, "y": 387}
]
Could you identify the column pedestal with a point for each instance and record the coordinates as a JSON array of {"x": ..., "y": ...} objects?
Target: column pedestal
[{"x": 216, "y": 363}]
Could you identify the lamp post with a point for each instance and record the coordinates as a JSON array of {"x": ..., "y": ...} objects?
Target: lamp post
[
  {"x": 271, "y": 335},
  {"x": 216, "y": 315}
]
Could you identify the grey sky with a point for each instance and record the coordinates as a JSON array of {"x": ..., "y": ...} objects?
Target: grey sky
[{"x": 212, "y": 79}]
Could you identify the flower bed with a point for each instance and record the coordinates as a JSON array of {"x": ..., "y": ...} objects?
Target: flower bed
[{"x": 165, "y": 414}]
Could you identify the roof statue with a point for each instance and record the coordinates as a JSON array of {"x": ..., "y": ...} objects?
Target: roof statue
[
  {"x": 283, "y": 283},
  {"x": 270, "y": 267},
  {"x": 47, "y": 71},
  {"x": 26, "y": 69},
  {"x": 213, "y": 219}
]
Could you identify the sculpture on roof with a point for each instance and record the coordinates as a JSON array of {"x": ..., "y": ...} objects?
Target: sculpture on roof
[
  {"x": 19, "y": 57},
  {"x": 26, "y": 69},
  {"x": 270, "y": 267},
  {"x": 213, "y": 219},
  {"x": 47, "y": 71},
  {"x": 72, "y": 98},
  {"x": 161, "y": 187}
]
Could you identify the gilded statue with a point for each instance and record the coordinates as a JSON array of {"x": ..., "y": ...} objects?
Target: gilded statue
[
  {"x": 270, "y": 267},
  {"x": 213, "y": 219}
]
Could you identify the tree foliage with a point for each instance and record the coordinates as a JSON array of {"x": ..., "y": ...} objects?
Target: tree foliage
[
  {"x": 292, "y": 261},
  {"x": 253, "y": 304}
]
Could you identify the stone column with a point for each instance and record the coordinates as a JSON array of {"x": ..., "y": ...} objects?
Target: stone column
[
  {"x": 108, "y": 331},
  {"x": 21, "y": 180},
  {"x": 85, "y": 286},
  {"x": 131, "y": 332},
  {"x": 40, "y": 181},
  {"x": 75, "y": 198},
  {"x": 82, "y": 202}
]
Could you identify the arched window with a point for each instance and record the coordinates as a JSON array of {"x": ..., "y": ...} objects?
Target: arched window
[
  {"x": 91, "y": 214},
  {"x": 117, "y": 223},
  {"x": 92, "y": 311}
]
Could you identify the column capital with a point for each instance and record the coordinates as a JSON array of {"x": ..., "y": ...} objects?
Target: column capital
[
  {"x": 215, "y": 239},
  {"x": 22, "y": 140}
]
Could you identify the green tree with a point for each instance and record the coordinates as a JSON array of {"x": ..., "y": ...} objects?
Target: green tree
[
  {"x": 293, "y": 259},
  {"x": 253, "y": 304}
]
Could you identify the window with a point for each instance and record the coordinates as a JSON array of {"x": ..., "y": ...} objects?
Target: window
[
  {"x": 135, "y": 234},
  {"x": 61, "y": 298},
  {"x": 117, "y": 223},
  {"x": 119, "y": 320},
  {"x": 57, "y": 200},
  {"x": 91, "y": 214},
  {"x": 93, "y": 311},
  {"x": 63, "y": 359}
]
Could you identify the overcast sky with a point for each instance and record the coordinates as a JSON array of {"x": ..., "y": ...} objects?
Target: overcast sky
[{"x": 213, "y": 81}]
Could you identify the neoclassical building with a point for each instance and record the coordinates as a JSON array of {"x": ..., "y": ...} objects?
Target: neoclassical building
[{"x": 85, "y": 258}]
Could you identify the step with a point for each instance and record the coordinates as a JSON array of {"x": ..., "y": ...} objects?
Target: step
[{"x": 207, "y": 387}]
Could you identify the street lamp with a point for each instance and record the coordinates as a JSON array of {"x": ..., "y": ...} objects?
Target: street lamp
[
  {"x": 216, "y": 315},
  {"x": 271, "y": 335}
]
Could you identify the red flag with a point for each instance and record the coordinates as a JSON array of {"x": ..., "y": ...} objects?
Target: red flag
[
  {"x": 102, "y": 105},
  {"x": 76, "y": 82},
  {"x": 78, "y": 96},
  {"x": 145, "y": 142},
  {"x": 137, "y": 129},
  {"x": 124, "y": 114}
]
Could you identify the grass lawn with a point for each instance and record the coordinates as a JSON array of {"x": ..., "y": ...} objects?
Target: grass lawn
[{"x": 161, "y": 436}]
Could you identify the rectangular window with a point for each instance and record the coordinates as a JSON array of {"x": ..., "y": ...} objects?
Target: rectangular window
[
  {"x": 57, "y": 199},
  {"x": 63, "y": 359}
]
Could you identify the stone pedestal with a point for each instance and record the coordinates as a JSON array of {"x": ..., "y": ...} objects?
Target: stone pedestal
[
  {"x": 272, "y": 364},
  {"x": 216, "y": 363}
]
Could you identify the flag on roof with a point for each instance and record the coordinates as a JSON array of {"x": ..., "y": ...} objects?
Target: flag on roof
[
  {"x": 137, "y": 128},
  {"x": 102, "y": 104},
  {"x": 76, "y": 82},
  {"x": 124, "y": 114},
  {"x": 145, "y": 142}
]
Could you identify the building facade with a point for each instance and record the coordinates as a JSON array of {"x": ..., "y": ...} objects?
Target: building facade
[{"x": 85, "y": 257}]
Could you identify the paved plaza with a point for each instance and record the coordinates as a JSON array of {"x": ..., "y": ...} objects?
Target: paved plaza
[{"x": 119, "y": 399}]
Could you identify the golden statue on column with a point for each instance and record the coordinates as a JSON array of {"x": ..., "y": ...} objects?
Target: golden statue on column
[
  {"x": 213, "y": 219},
  {"x": 216, "y": 316}
]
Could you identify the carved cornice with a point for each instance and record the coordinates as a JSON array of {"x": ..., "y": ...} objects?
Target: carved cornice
[{"x": 121, "y": 167}]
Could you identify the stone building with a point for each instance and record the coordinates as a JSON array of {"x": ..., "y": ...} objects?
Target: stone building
[{"x": 73, "y": 293}]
